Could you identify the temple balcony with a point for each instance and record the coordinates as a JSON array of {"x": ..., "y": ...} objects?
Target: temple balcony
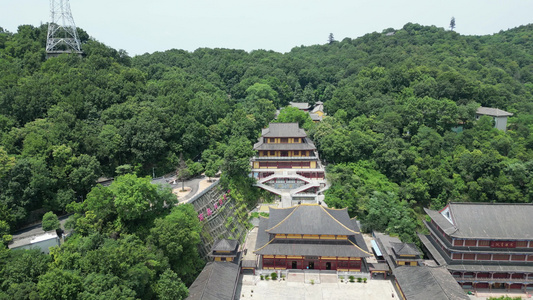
[{"x": 256, "y": 158}]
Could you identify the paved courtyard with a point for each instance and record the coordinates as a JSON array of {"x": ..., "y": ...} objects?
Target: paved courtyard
[{"x": 295, "y": 287}]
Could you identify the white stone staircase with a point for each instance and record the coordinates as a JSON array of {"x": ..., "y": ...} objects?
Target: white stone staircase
[
  {"x": 284, "y": 175},
  {"x": 304, "y": 187}
]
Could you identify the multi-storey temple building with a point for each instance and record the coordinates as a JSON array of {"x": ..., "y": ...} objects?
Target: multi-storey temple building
[
  {"x": 484, "y": 245},
  {"x": 287, "y": 164},
  {"x": 310, "y": 236}
]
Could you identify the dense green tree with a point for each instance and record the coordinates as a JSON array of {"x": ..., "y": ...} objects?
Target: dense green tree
[
  {"x": 50, "y": 221},
  {"x": 170, "y": 287},
  {"x": 178, "y": 235},
  {"x": 59, "y": 284},
  {"x": 237, "y": 157},
  {"x": 291, "y": 114}
]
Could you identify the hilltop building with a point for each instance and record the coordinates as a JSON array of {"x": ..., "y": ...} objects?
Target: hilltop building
[
  {"x": 43, "y": 242},
  {"x": 310, "y": 236},
  {"x": 395, "y": 252},
  {"x": 287, "y": 165},
  {"x": 499, "y": 116},
  {"x": 300, "y": 105},
  {"x": 317, "y": 114},
  {"x": 484, "y": 245}
]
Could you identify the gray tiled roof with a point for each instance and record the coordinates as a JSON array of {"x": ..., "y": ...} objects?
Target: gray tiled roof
[
  {"x": 315, "y": 117},
  {"x": 300, "y": 105},
  {"x": 312, "y": 248},
  {"x": 318, "y": 107},
  {"x": 359, "y": 240},
  {"x": 225, "y": 245},
  {"x": 423, "y": 283},
  {"x": 438, "y": 218},
  {"x": 283, "y": 130},
  {"x": 311, "y": 219},
  {"x": 432, "y": 249},
  {"x": 493, "y": 112},
  {"x": 308, "y": 145},
  {"x": 262, "y": 236},
  {"x": 216, "y": 282},
  {"x": 405, "y": 249},
  {"x": 487, "y": 220}
]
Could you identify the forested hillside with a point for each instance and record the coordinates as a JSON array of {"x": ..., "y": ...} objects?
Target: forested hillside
[{"x": 392, "y": 100}]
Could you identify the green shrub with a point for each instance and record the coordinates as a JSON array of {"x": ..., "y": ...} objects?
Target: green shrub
[
  {"x": 262, "y": 278},
  {"x": 274, "y": 275},
  {"x": 352, "y": 279},
  {"x": 359, "y": 279},
  {"x": 364, "y": 279}
]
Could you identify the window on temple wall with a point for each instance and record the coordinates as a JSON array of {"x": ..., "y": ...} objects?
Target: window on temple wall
[
  {"x": 517, "y": 276},
  {"x": 342, "y": 264},
  {"x": 263, "y": 164},
  {"x": 521, "y": 244},
  {"x": 272, "y": 153},
  {"x": 268, "y": 262},
  {"x": 306, "y": 164},
  {"x": 355, "y": 264},
  {"x": 468, "y": 256},
  {"x": 518, "y": 257},
  {"x": 458, "y": 242},
  {"x": 284, "y": 140},
  {"x": 280, "y": 262},
  {"x": 500, "y": 257},
  {"x": 457, "y": 256},
  {"x": 284, "y": 153},
  {"x": 470, "y": 243},
  {"x": 483, "y": 275},
  {"x": 483, "y": 243},
  {"x": 530, "y": 258},
  {"x": 272, "y": 140},
  {"x": 483, "y": 257}
]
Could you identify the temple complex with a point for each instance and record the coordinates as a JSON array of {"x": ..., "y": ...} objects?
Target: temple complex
[
  {"x": 484, "y": 245},
  {"x": 310, "y": 236},
  {"x": 287, "y": 165}
]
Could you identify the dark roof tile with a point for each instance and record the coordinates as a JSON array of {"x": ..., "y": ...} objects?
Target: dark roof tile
[
  {"x": 283, "y": 130},
  {"x": 422, "y": 283},
  {"x": 487, "y": 220},
  {"x": 216, "y": 282},
  {"x": 311, "y": 219}
]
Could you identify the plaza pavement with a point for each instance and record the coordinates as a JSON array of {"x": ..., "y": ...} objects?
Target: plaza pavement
[{"x": 297, "y": 287}]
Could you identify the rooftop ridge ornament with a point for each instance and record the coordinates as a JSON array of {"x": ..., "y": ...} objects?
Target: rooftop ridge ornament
[{"x": 62, "y": 35}]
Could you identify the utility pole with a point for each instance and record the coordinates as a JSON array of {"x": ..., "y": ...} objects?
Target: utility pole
[{"x": 62, "y": 35}]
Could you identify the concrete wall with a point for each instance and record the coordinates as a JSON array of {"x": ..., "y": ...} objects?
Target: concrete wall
[
  {"x": 222, "y": 224},
  {"x": 500, "y": 123}
]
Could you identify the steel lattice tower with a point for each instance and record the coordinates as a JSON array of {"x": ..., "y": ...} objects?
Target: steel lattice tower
[{"x": 62, "y": 36}]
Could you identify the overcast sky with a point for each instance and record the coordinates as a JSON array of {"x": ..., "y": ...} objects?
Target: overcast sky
[{"x": 158, "y": 25}]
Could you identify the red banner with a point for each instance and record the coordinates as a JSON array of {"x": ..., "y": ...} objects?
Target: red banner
[{"x": 502, "y": 244}]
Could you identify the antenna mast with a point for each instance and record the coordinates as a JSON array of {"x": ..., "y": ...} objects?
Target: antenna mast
[{"x": 62, "y": 35}]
